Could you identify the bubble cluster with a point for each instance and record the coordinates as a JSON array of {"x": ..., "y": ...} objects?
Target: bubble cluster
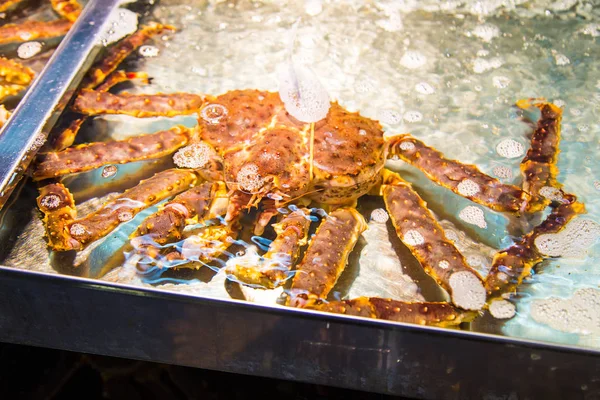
[
  {"x": 390, "y": 117},
  {"x": 77, "y": 230},
  {"x": 193, "y": 156},
  {"x": 148, "y": 51},
  {"x": 502, "y": 309},
  {"x": 413, "y": 116},
  {"x": 481, "y": 65},
  {"x": 444, "y": 264},
  {"x": 551, "y": 193},
  {"x": 573, "y": 241},
  {"x": 486, "y": 32},
  {"x": 249, "y": 179},
  {"x": 468, "y": 291},
  {"x": 120, "y": 23},
  {"x": 474, "y": 216},
  {"x": 578, "y": 314},
  {"x": 424, "y": 88},
  {"x": 303, "y": 95},
  {"x": 213, "y": 113},
  {"x": 500, "y": 82},
  {"x": 413, "y": 59},
  {"x": 125, "y": 216},
  {"x": 468, "y": 188},
  {"x": 50, "y": 201},
  {"x": 380, "y": 215},
  {"x": 503, "y": 172},
  {"x": 413, "y": 238},
  {"x": 407, "y": 146},
  {"x": 510, "y": 148},
  {"x": 29, "y": 49},
  {"x": 109, "y": 171}
]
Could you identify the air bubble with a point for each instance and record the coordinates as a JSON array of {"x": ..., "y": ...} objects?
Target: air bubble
[
  {"x": 193, "y": 156},
  {"x": 125, "y": 216},
  {"x": 213, "y": 113},
  {"x": 573, "y": 241},
  {"x": 444, "y": 264},
  {"x": 249, "y": 179},
  {"x": 109, "y": 171},
  {"x": 390, "y": 117},
  {"x": 29, "y": 49},
  {"x": 380, "y": 215},
  {"x": 468, "y": 291},
  {"x": 407, "y": 146},
  {"x": 503, "y": 172},
  {"x": 148, "y": 51},
  {"x": 413, "y": 60},
  {"x": 474, "y": 216},
  {"x": 77, "y": 230},
  {"x": 486, "y": 32},
  {"x": 303, "y": 95},
  {"x": 510, "y": 148},
  {"x": 413, "y": 238},
  {"x": 50, "y": 201},
  {"x": 362, "y": 132},
  {"x": 500, "y": 82},
  {"x": 502, "y": 309},
  {"x": 551, "y": 193},
  {"x": 413, "y": 116},
  {"x": 424, "y": 88},
  {"x": 468, "y": 188}
]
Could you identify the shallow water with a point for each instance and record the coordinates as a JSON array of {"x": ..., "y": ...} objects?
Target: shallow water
[{"x": 447, "y": 72}]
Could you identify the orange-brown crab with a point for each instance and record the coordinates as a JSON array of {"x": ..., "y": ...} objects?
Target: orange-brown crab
[
  {"x": 15, "y": 77},
  {"x": 248, "y": 151}
]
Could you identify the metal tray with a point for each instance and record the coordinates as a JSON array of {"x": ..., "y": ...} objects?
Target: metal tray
[{"x": 87, "y": 315}]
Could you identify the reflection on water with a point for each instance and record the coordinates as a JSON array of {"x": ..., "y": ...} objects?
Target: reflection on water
[{"x": 449, "y": 73}]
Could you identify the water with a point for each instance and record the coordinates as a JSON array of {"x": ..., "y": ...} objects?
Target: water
[{"x": 447, "y": 72}]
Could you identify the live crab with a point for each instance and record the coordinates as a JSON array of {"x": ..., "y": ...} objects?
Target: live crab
[
  {"x": 248, "y": 152},
  {"x": 15, "y": 77}
]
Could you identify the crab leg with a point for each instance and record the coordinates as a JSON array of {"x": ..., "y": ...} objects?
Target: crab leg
[
  {"x": 426, "y": 313},
  {"x": 33, "y": 30},
  {"x": 120, "y": 51},
  {"x": 539, "y": 165},
  {"x": 75, "y": 234},
  {"x": 418, "y": 229},
  {"x": 14, "y": 78},
  {"x": 463, "y": 179},
  {"x": 511, "y": 265},
  {"x": 58, "y": 206},
  {"x": 92, "y": 102},
  {"x": 93, "y": 155},
  {"x": 6, "y": 5},
  {"x": 273, "y": 269},
  {"x": 66, "y": 138},
  {"x": 326, "y": 256},
  {"x": 68, "y": 9}
]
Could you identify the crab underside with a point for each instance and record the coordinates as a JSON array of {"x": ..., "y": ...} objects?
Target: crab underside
[{"x": 247, "y": 152}]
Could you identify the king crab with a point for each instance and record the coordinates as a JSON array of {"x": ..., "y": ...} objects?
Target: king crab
[{"x": 248, "y": 151}]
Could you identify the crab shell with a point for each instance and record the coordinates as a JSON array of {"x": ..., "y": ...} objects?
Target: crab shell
[{"x": 266, "y": 151}]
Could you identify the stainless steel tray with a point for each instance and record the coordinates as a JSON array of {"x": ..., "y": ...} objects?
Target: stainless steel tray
[{"x": 86, "y": 315}]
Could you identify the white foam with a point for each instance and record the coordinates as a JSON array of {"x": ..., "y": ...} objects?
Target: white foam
[
  {"x": 474, "y": 216},
  {"x": 573, "y": 241},
  {"x": 500, "y": 82},
  {"x": 481, "y": 65},
  {"x": 29, "y": 49},
  {"x": 502, "y": 309},
  {"x": 193, "y": 156},
  {"x": 413, "y": 238},
  {"x": 551, "y": 193},
  {"x": 77, "y": 230},
  {"x": 213, "y": 113},
  {"x": 407, "y": 146},
  {"x": 50, "y": 201},
  {"x": 486, "y": 32},
  {"x": 302, "y": 94},
  {"x": 413, "y": 116},
  {"x": 389, "y": 116},
  {"x": 424, "y": 88},
  {"x": 380, "y": 215},
  {"x": 510, "y": 148},
  {"x": 249, "y": 179},
  {"x": 413, "y": 59},
  {"x": 468, "y": 291},
  {"x": 125, "y": 216},
  {"x": 578, "y": 314},
  {"x": 468, "y": 188},
  {"x": 503, "y": 172}
]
